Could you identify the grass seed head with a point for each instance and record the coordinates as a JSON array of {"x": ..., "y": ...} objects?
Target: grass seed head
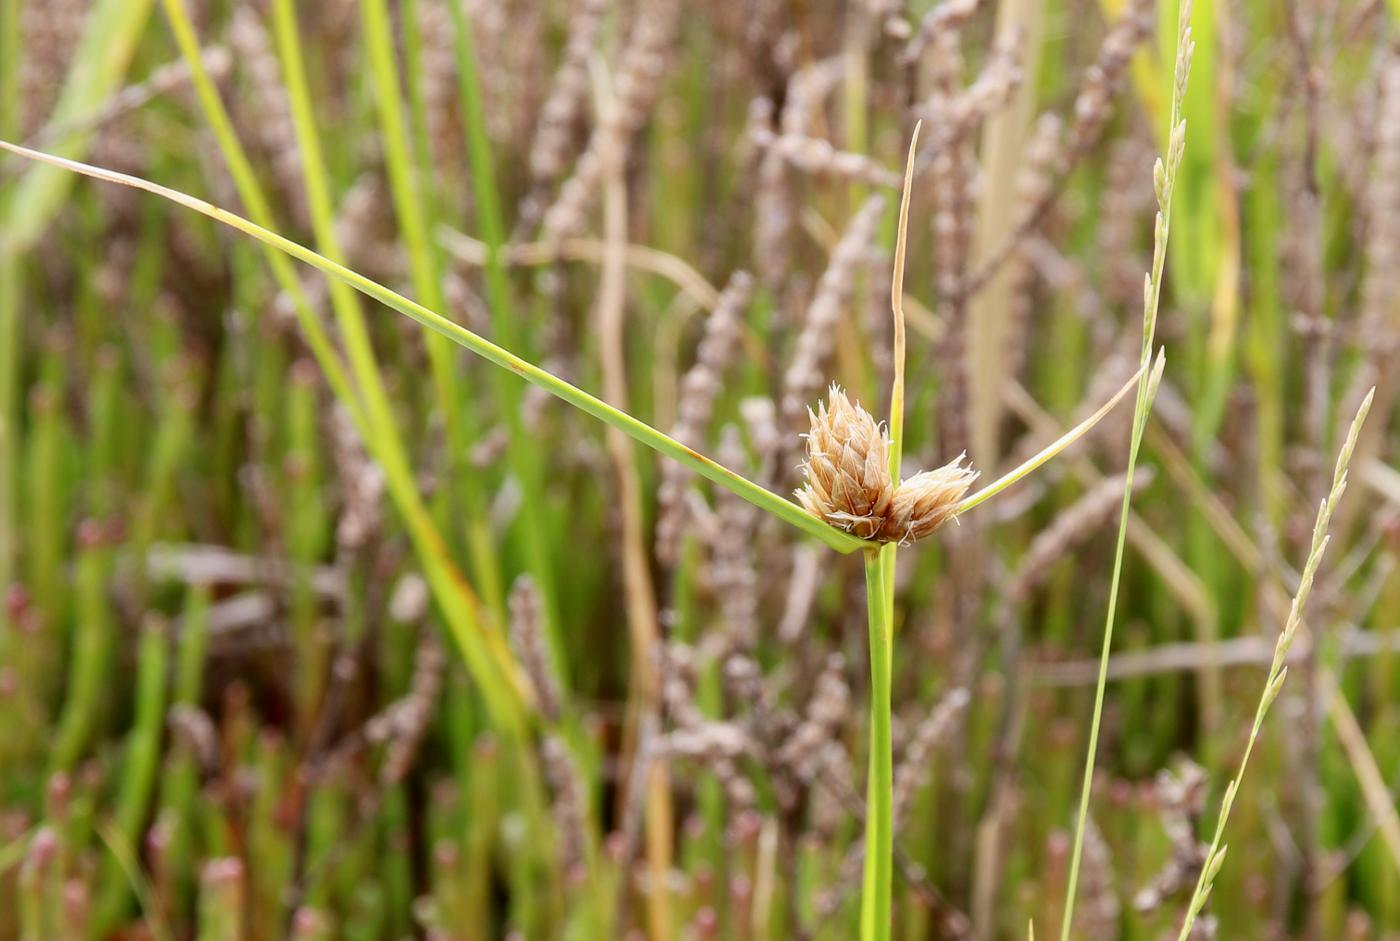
[
  {"x": 847, "y": 470},
  {"x": 926, "y": 501},
  {"x": 848, "y": 482}
]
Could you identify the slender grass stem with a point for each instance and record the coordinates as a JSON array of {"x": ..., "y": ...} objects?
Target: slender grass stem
[
  {"x": 1068, "y": 438},
  {"x": 138, "y": 776},
  {"x": 1278, "y": 669},
  {"x": 1164, "y": 180},
  {"x": 10, "y": 51},
  {"x": 879, "y": 830},
  {"x": 366, "y": 399},
  {"x": 897, "y": 308},
  {"x": 640, "y": 595}
]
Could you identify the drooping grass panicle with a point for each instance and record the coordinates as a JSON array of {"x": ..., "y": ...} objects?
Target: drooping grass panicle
[{"x": 1278, "y": 669}]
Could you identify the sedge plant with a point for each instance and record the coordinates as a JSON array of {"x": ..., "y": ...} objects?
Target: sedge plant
[{"x": 850, "y": 501}]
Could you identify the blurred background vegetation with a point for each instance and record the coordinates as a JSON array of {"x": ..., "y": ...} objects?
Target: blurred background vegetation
[{"x": 316, "y": 627}]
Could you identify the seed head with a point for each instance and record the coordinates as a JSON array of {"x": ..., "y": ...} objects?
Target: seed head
[
  {"x": 926, "y": 501},
  {"x": 848, "y": 482},
  {"x": 848, "y": 467}
]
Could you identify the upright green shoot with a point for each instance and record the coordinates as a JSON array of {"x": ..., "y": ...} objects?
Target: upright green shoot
[
  {"x": 876, "y": 898},
  {"x": 1164, "y": 182}
]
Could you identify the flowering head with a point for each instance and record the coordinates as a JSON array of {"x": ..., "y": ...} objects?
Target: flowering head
[{"x": 848, "y": 482}]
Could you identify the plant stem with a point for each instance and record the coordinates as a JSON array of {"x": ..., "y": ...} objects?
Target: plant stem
[
  {"x": 879, "y": 815},
  {"x": 1164, "y": 182},
  {"x": 879, "y": 565}
]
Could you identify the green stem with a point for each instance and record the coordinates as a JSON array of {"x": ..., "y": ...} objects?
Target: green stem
[
  {"x": 1164, "y": 182},
  {"x": 138, "y": 777},
  {"x": 10, "y": 49},
  {"x": 879, "y": 814}
]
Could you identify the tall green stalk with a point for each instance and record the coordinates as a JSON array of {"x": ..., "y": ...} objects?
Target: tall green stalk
[
  {"x": 346, "y": 305},
  {"x": 876, "y": 911},
  {"x": 876, "y": 907},
  {"x": 1164, "y": 182},
  {"x": 9, "y": 301}
]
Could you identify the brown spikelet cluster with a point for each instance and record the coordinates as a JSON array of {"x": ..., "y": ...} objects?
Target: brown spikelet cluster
[
  {"x": 848, "y": 467},
  {"x": 848, "y": 482}
]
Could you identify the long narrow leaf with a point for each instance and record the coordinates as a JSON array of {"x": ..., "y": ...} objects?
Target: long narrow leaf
[{"x": 748, "y": 490}]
